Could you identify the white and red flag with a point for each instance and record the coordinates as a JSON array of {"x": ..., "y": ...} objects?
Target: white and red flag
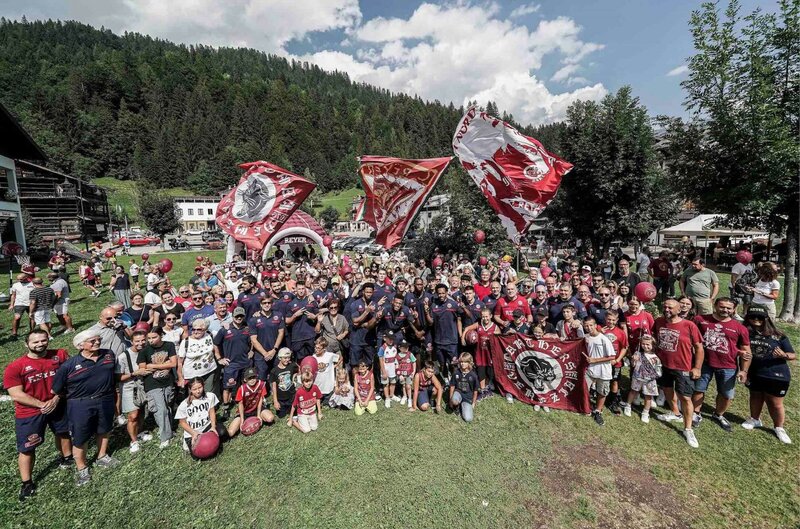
[
  {"x": 514, "y": 172},
  {"x": 395, "y": 189},
  {"x": 360, "y": 209},
  {"x": 260, "y": 204}
]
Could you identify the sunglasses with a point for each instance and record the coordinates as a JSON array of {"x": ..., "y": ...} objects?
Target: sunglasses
[
  {"x": 170, "y": 319},
  {"x": 197, "y": 299},
  {"x": 198, "y": 330},
  {"x": 238, "y": 316},
  {"x": 183, "y": 292}
]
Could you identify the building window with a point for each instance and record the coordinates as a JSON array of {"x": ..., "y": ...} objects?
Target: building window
[
  {"x": 191, "y": 211},
  {"x": 210, "y": 211}
]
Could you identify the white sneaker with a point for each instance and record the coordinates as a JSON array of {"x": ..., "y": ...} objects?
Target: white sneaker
[
  {"x": 145, "y": 436},
  {"x": 781, "y": 433},
  {"x": 163, "y": 444},
  {"x": 121, "y": 420},
  {"x": 669, "y": 417},
  {"x": 395, "y": 398},
  {"x": 510, "y": 398},
  {"x": 546, "y": 409},
  {"x": 410, "y": 406},
  {"x": 134, "y": 447},
  {"x": 751, "y": 423},
  {"x": 691, "y": 439},
  {"x": 388, "y": 403},
  {"x": 536, "y": 407},
  {"x": 403, "y": 400},
  {"x": 626, "y": 410},
  {"x": 645, "y": 416}
]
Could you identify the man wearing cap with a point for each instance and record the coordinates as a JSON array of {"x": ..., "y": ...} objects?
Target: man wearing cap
[
  {"x": 221, "y": 318},
  {"x": 232, "y": 348},
  {"x": 20, "y": 302},
  {"x": 87, "y": 382},
  {"x": 301, "y": 320},
  {"x": 61, "y": 307},
  {"x": 267, "y": 329},
  {"x": 41, "y": 305},
  {"x": 28, "y": 380},
  {"x": 518, "y": 323}
]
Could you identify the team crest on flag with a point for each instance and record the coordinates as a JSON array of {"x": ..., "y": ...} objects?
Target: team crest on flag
[
  {"x": 546, "y": 372},
  {"x": 514, "y": 172},
  {"x": 260, "y": 204},
  {"x": 395, "y": 190}
]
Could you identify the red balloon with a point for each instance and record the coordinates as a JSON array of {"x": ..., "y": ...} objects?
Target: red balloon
[
  {"x": 142, "y": 326},
  {"x": 309, "y": 363},
  {"x": 437, "y": 262},
  {"x": 206, "y": 446},
  {"x": 165, "y": 265},
  {"x": 744, "y": 257},
  {"x": 645, "y": 292},
  {"x": 199, "y": 258},
  {"x": 327, "y": 241},
  {"x": 109, "y": 253},
  {"x": 145, "y": 256},
  {"x": 483, "y": 261},
  {"x": 479, "y": 236},
  {"x": 346, "y": 269}
]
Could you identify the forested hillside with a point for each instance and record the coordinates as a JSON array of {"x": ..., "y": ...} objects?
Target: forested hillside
[{"x": 134, "y": 107}]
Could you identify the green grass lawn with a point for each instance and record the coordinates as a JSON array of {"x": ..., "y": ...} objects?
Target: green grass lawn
[
  {"x": 123, "y": 193},
  {"x": 342, "y": 201},
  {"x": 512, "y": 467}
]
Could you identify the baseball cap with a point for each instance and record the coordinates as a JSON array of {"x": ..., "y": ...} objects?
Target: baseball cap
[
  {"x": 518, "y": 313},
  {"x": 757, "y": 310},
  {"x": 402, "y": 343},
  {"x": 239, "y": 311},
  {"x": 541, "y": 311},
  {"x": 389, "y": 335},
  {"x": 586, "y": 267},
  {"x": 250, "y": 373}
]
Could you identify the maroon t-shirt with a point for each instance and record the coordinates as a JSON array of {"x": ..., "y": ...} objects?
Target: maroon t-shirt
[
  {"x": 482, "y": 291},
  {"x": 505, "y": 308},
  {"x": 35, "y": 375},
  {"x": 722, "y": 341},
  {"x": 675, "y": 343},
  {"x": 660, "y": 268},
  {"x": 305, "y": 400},
  {"x": 251, "y": 395}
]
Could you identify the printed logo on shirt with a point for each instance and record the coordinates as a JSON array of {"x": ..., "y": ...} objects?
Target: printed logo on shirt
[
  {"x": 668, "y": 339},
  {"x": 716, "y": 340}
]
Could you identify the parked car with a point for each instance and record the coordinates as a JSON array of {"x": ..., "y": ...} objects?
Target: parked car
[
  {"x": 216, "y": 244},
  {"x": 363, "y": 247},
  {"x": 353, "y": 242},
  {"x": 138, "y": 239},
  {"x": 375, "y": 248}
]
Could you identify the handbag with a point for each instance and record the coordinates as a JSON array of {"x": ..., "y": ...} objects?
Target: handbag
[{"x": 139, "y": 395}]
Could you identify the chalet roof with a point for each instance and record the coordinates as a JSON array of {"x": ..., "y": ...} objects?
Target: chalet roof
[{"x": 15, "y": 142}]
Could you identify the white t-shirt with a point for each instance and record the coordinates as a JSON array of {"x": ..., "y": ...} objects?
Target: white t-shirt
[
  {"x": 643, "y": 262},
  {"x": 599, "y": 347},
  {"x": 124, "y": 368},
  {"x": 765, "y": 287},
  {"x": 326, "y": 371},
  {"x": 173, "y": 336},
  {"x": 23, "y": 292},
  {"x": 133, "y": 270},
  {"x": 152, "y": 279},
  {"x": 390, "y": 361},
  {"x": 739, "y": 269},
  {"x": 152, "y": 299},
  {"x": 198, "y": 357},
  {"x": 233, "y": 286},
  {"x": 196, "y": 413}
]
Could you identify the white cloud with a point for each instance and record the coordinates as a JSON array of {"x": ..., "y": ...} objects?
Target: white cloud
[
  {"x": 680, "y": 70},
  {"x": 523, "y": 10},
  {"x": 464, "y": 52}
]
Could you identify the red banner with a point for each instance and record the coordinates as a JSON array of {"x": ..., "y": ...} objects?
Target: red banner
[
  {"x": 396, "y": 188},
  {"x": 513, "y": 171},
  {"x": 260, "y": 204},
  {"x": 546, "y": 372}
]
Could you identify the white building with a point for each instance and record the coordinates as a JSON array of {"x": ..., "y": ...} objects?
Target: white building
[
  {"x": 15, "y": 144},
  {"x": 198, "y": 213},
  {"x": 435, "y": 206}
]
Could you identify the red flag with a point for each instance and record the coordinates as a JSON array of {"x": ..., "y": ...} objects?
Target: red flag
[
  {"x": 515, "y": 173},
  {"x": 264, "y": 199},
  {"x": 546, "y": 372},
  {"x": 396, "y": 188},
  {"x": 360, "y": 209}
]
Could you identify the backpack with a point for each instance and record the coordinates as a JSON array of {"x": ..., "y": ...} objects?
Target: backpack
[{"x": 748, "y": 279}]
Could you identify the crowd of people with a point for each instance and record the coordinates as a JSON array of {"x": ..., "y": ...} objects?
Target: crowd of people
[{"x": 284, "y": 340}]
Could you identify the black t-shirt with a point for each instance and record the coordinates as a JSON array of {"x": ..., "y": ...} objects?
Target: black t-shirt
[
  {"x": 764, "y": 363},
  {"x": 283, "y": 379},
  {"x": 162, "y": 311},
  {"x": 162, "y": 378},
  {"x": 123, "y": 282},
  {"x": 138, "y": 315},
  {"x": 465, "y": 383}
]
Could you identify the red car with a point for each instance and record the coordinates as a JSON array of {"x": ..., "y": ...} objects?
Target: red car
[{"x": 138, "y": 240}]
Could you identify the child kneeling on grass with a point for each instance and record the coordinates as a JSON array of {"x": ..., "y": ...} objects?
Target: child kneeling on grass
[
  {"x": 342, "y": 397},
  {"x": 197, "y": 414},
  {"x": 308, "y": 404},
  {"x": 645, "y": 371},
  {"x": 250, "y": 401},
  {"x": 365, "y": 390},
  {"x": 426, "y": 385},
  {"x": 464, "y": 385}
]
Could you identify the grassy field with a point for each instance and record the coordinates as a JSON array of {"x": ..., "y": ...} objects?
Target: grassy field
[
  {"x": 342, "y": 201},
  {"x": 123, "y": 194},
  {"x": 512, "y": 467}
]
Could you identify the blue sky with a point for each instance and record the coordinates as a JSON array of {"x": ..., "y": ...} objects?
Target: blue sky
[{"x": 533, "y": 58}]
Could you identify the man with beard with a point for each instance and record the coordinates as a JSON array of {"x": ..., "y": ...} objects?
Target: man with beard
[
  {"x": 250, "y": 296},
  {"x": 624, "y": 274},
  {"x": 395, "y": 318},
  {"x": 28, "y": 380},
  {"x": 363, "y": 320},
  {"x": 281, "y": 296},
  {"x": 420, "y": 342},
  {"x": 565, "y": 297},
  {"x": 301, "y": 320},
  {"x": 198, "y": 310},
  {"x": 503, "y": 311},
  {"x": 267, "y": 329}
]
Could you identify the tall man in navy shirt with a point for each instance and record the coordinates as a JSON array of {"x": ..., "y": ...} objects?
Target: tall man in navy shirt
[
  {"x": 87, "y": 382},
  {"x": 442, "y": 315},
  {"x": 250, "y": 297},
  {"x": 363, "y": 339},
  {"x": 266, "y": 334},
  {"x": 232, "y": 350},
  {"x": 301, "y": 319}
]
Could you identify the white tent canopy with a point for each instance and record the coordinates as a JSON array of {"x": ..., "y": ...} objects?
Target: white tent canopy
[{"x": 708, "y": 226}]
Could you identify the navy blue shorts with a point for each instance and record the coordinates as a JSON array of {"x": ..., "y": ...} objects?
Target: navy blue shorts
[
  {"x": 362, "y": 353},
  {"x": 30, "y": 430},
  {"x": 232, "y": 376},
  {"x": 263, "y": 366},
  {"x": 90, "y": 417},
  {"x": 424, "y": 396},
  {"x": 445, "y": 353},
  {"x": 302, "y": 349}
]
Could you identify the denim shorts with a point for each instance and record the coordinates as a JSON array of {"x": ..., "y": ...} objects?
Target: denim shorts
[{"x": 726, "y": 381}]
